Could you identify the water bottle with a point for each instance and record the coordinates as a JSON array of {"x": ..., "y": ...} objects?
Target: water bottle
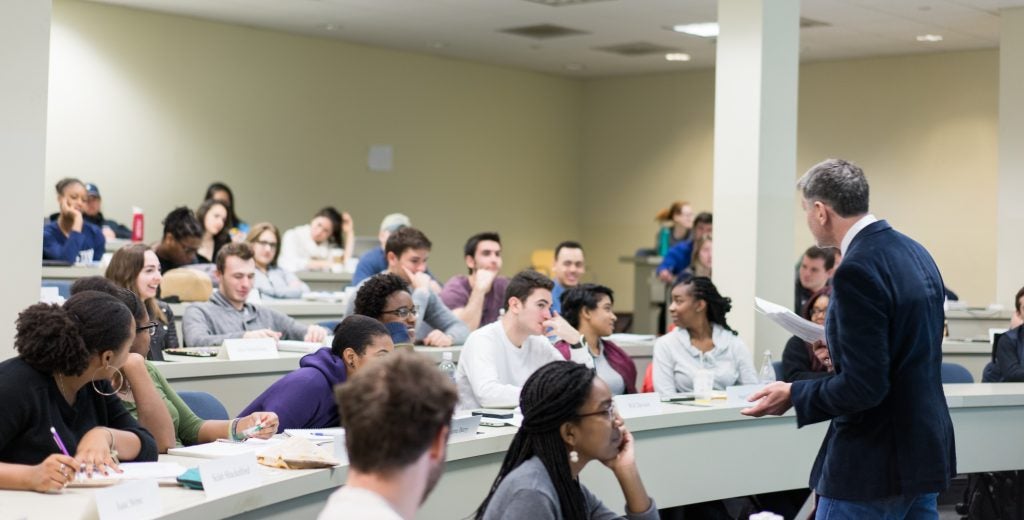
[
  {"x": 664, "y": 237},
  {"x": 447, "y": 366},
  {"x": 767, "y": 374},
  {"x": 137, "y": 224}
]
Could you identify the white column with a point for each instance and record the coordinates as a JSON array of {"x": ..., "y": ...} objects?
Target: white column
[
  {"x": 24, "y": 58},
  {"x": 1010, "y": 208},
  {"x": 756, "y": 75}
]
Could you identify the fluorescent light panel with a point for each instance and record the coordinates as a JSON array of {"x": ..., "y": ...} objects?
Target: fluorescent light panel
[{"x": 704, "y": 30}]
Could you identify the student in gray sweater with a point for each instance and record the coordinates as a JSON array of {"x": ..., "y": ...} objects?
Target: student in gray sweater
[
  {"x": 568, "y": 421},
  {"x": 407, "y": 251},
  {"x": 228, "y": 316}
]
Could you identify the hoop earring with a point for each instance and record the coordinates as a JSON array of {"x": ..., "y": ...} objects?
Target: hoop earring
[
  {"x": 574, "y": 456},
  {"x": 124, "y": 381}
]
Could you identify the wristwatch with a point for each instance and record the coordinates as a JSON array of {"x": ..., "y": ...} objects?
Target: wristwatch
[{"x": 581, "y": 344}]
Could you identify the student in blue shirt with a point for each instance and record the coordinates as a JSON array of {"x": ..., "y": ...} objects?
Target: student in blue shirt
[
  {"x": 567, "y": 271},
  {"x": 678, "y": 257},
  {"x": 70, "y": 238}
]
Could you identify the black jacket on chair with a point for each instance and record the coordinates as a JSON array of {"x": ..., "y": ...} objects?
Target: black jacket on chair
[{"x": 891, "y": 433}]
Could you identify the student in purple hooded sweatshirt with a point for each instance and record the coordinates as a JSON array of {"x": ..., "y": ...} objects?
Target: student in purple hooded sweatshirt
[{"x": 305, "y": 397}]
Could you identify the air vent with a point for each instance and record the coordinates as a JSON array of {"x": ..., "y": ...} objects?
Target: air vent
[
  {"x": 563, "y": 3},
  {"x": 806, "y": 23},
  {"x": 543, "y": 31},
  {"x": 637, "y": 49}
]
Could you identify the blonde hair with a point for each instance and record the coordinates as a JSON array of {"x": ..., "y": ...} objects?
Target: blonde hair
[
  {"x": 696, "y": 266},
  {"x": 254, "y": 235}
]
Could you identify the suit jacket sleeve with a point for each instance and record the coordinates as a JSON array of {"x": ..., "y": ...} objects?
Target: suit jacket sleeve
[
  {"x": 862, "y": 313},
  {"x": 1008, "y": 360}
]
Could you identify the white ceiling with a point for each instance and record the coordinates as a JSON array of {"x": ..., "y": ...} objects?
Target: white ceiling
[{"x": 470, "y": 29}]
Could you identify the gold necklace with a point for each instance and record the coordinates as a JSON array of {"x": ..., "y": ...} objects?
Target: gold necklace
[{"x": 60, "y": 384}]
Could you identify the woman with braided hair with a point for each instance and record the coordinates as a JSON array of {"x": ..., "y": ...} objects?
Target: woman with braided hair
[
  {"x": 568, "y": 421},
  {"x": 702, "y": 340}
]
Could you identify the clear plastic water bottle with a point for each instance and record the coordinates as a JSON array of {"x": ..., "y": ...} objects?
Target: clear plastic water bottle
[
  {"x": 767, "y": 374},
  {"x": 447, "y": 366}
]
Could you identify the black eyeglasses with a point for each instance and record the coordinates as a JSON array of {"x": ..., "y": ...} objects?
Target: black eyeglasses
[
  {"x": 151, "y": 327},
  {"x": 609, "y": 413},
  {"x": 264, "y": 243},
  {"x": 403, "y": 312}
]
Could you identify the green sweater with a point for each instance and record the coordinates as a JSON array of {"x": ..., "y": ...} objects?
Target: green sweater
[{"x": 186, "y": 422}]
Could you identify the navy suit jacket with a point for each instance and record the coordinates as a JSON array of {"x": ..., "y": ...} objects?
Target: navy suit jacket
[{"x": 890, "y": 433}]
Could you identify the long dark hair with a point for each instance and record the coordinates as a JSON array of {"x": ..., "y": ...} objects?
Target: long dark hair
[
  {"x": 551, "y": 397},
  {"x": 717, "y": 305},
  {"x": 232, "y": 221}
]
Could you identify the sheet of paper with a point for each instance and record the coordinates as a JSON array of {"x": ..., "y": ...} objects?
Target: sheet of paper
[
  {"x": 224, "y": 448},
  {"x": 464, "y": 428},
  {"x": 785, "y": 318},
  {"x": 315, "y": 434}
]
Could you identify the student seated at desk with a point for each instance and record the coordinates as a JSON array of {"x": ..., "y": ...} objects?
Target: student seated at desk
[
  {"x": 499, "y": 357},
  {"x": 566, "y": 272},
  {"x": 1008, "y": 366},
  {"x": 374, "y": 260},
  {"x": 92, "y": 212},
  {"x": 680, "y": 255},
  {"x": 393, "y": 469},
  {"x": 212, "y": 215},
  {"x": 70, "y": 238},
  {"x": 803, "y": 360},
  {"x": 407, "y": 252},
  {"x": 59, "y": 380},
  {"x": 227, "y": 315},
  {"x": 272, "y": 281},
  {"x": 702, "y": 340},
  {"x": 182, "y": 237},
  {"x": 588, "y": 309},
  {"x": 308, "y": 247},
  {"x": 386, "y": 298},
  {"x": 236, "y": 227},
  {"x": 569, "y": 420},
  {"x": 148, "y": 396},
  {"x": 477, "y": 299},
  {"x": 136, "y": 268},
  {"x": 305, "y": 397}
]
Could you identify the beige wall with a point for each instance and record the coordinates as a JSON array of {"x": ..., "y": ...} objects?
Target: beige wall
[
  {"x": 923, "y": 127},
  {"x": 154, "y": 107}
]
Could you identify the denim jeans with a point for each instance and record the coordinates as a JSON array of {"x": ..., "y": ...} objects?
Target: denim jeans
[{"x": 920, "y": 507}]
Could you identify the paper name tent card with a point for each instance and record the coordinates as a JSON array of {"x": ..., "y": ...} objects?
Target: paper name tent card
[
  {"x": 302, "y": 347},
  {"x": 785, "y": 318},
  {"x": 249, "y": 348}
]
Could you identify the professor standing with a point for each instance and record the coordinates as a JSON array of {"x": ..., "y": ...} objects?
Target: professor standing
[{"x": 889, "y": 450}]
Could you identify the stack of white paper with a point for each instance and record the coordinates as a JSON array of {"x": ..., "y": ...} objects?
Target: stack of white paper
[{"x": 799, "y": 327}]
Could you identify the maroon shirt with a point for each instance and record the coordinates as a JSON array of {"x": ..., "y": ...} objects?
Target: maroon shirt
[{"x": 456, "y": 292}]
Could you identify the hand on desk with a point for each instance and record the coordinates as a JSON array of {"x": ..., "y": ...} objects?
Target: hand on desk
[
  {"x": 261, "y": 333},
  {"x": 269, "y": 421},
  {"x": 94, "y": 455},
  {"x": 774, "y": 400},
  {"x": 52, "y": 474},
  {"x": 437, "y": 338},
  {"x": 315, "y": 334}
]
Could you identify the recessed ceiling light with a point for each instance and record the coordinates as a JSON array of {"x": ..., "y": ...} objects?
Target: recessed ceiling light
[
  {"x": 574, "y": 67},
  {"x": 677, "y": 56},
  {"x": 331, "y": 27},
  {"x": 929, "y": 37},
  {"x": 439, "y": 45},
  {"x": 704, "y": 30}
]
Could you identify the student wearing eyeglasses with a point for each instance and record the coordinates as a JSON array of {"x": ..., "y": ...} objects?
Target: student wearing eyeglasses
[
  {"x": 272, "y": 281},
  {"x": 386, "y": 298},
  {"x": 149, "y": 398}
]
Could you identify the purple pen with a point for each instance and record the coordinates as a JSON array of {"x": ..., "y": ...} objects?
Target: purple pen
[{"x": 60, "y": 444}]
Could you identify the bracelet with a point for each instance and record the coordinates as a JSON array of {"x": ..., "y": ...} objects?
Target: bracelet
[
  {"x": 113, "y": 450},
  {"x": 232, "y": 431}
]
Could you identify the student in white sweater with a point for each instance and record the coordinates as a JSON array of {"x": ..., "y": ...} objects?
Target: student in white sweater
[
  {"x": 702, "y": 339},
  {"x": 498, "y": 358}
]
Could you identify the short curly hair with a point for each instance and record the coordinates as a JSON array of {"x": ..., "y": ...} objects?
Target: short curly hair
[{"x": 373, "y": 295}]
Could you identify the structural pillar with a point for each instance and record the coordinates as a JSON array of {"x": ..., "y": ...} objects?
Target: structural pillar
[{"x": 1010, "y": 208}]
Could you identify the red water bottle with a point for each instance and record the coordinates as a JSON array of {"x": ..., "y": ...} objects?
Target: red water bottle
[{"x": 137, "y": 224}]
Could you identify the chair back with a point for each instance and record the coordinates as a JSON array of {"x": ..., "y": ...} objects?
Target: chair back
[
  {"x": 205, "y": 405},
  {"x": 777, "y": 365},
  {"x": 955, "y": 373}
]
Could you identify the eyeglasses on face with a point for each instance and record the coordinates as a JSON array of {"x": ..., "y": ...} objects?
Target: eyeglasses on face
[
  {"x": 403, "y": 312},
  {"x": 151, "y": 327},
  {"x": 264, "y": 243},
  {"x": 609, "y": 413}
]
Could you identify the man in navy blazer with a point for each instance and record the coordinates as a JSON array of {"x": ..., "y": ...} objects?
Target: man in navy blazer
[{"x": 890, "y": 448}]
